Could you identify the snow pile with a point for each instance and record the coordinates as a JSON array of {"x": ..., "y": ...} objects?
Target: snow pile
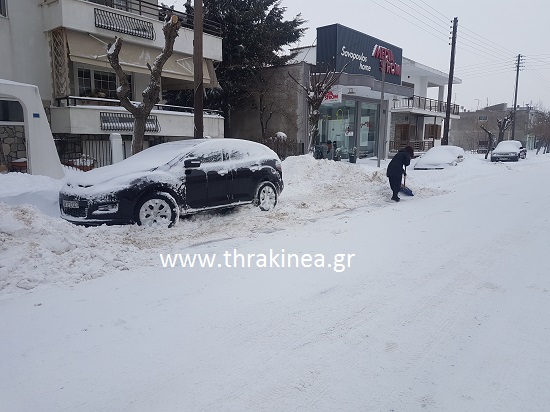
[
  {"x": 38, "y": 247},
  {"x": 40, "y": 191}
]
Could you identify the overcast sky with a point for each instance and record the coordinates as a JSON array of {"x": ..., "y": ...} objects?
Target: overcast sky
[{"x": 491, "y": 34}]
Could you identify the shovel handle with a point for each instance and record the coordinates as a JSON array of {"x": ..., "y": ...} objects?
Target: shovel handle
[{"x": 405, "y": 176}]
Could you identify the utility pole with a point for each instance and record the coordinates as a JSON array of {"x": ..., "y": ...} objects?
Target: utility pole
[
  {"x": 381, "y": 130},
  {"x": 445, "y": 139},
  {"x": 515, "y": 97},
  {"x": 198, "y": 100}
]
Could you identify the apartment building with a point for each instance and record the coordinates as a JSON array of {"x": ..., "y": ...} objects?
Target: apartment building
[{"x": 60, "y": 46}]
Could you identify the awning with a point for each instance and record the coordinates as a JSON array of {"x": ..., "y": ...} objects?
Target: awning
[{"x": 177, "y": 71}]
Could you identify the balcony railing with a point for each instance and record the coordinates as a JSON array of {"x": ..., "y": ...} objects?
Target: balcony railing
[
  {"x": 124, "y": 122},
  {"x": 150, "y": 10},
  {"x": 95, "y": 101},
  {"x": 417, "y": 145},
  {"x": 424, "y": 103},
  {"x": 123, "y": 24}
]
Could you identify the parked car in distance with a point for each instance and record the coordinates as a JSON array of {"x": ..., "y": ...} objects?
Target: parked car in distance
[
  {"x": 510, "y": 150},
  {"x": 440, "y": 157},
  {"x": 163, "y": 182}
]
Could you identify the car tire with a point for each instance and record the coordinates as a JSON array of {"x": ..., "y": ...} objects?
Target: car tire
[
  {"x": 266, "y": 196},
  {"x": 157, "y": 209}
]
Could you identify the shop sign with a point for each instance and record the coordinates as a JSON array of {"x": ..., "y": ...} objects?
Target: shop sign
[
  {"x": 333, "y": 96},
  {"x": 342, "y": 48},
  {"x": 383, "y": 53}
]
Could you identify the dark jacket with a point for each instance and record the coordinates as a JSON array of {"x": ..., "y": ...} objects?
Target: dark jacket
[{"x": 395, "y": 168}]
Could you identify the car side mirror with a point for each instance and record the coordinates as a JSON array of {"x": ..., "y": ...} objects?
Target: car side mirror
[{"x": 191, "y": 163}]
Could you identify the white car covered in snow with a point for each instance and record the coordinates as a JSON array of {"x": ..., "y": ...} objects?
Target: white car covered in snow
[
  {"x": 511, "y": 150},
  {"x": 440, "y": 157}
]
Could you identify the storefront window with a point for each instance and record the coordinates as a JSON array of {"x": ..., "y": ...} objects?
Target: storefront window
[
  {"x": 340, "y": 124},
  {"x": 368, "y": 129},
  {"x": 337, "y": 125}
]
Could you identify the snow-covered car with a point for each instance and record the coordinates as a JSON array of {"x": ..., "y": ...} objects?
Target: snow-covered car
[
  {"x": 159, "y": 184},
  {"x": 510, "y": 150},
  {"x": 440, "y": 157}
]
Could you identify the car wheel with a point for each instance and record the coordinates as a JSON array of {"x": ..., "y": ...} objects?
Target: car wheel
[
  {"x": 157, "y": 209},
  {"x": 266, "y": 196}
]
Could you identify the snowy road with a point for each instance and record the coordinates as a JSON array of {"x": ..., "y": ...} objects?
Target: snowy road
[{"x": 441, "y": 309}]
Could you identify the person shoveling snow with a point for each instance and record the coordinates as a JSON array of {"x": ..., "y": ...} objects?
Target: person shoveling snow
[{"x": 397, "y": 168}]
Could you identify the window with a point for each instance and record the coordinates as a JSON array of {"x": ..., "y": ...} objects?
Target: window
[
  {"x": 11, "y": 111},
  {"x": 105, "y": 84},
  {"x": 121, "y": 4},
  {"x": 3, "y": 11},
  {"x": 96, "y": 83},
  {"x": 207, "y": 157}
]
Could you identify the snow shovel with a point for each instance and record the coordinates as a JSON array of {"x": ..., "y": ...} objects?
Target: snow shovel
[{"x": 404, "y": 189}]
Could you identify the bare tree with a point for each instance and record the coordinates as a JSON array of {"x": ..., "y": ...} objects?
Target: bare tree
[
  {"x": 490, "y": 139},
  {"x": 151, "y": 94},
  {"x": 541, "y": 130},
  {"x": 503, "y": 125},
  {"x": 316, "y": 89}
]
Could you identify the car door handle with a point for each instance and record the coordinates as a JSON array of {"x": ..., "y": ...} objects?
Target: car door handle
[{"x": 223, "y": 172}]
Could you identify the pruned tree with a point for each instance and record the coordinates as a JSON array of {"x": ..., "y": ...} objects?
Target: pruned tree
[
  {"x": 490, "y": 139},
  {"x": 503, "y": 125},
  {"x": 151, "y": 94},
  {"x": 317, "y": 87}
]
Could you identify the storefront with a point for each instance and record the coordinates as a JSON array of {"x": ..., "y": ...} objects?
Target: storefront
[
  {"x": 350, "y": 114},
  {"x": 350, "y": 124}
]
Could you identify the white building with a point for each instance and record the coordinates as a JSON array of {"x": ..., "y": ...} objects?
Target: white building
[{"x": 60, "y": 46}]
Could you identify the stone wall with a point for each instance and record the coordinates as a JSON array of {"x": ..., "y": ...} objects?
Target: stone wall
[{"x": 12, "y": 143}]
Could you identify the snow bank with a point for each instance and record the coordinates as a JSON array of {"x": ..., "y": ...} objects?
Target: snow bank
[{"x": 37, "y": 247}]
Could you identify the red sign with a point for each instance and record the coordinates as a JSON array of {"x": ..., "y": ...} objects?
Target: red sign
[
  {"x": 385, "y": 55},
  {"x": 333, "y": 96}
]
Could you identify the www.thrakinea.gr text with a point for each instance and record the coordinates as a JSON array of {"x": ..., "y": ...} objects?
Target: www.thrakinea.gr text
[{"x": 278, "y": 259}]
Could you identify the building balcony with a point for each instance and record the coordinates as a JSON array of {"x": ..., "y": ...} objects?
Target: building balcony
[
  {"x": 425, "y": 106},
  {"x": 96, "y": 116},
  {"x": 136, "y": 21},
  {"x": 417, "y": 145}
]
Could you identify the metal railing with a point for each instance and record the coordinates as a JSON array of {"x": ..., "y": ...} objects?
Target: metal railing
[
  {"x": 425, "y": 103},
  {"x": 159, "y": 12},
  {"x": 105, "y": 19},
  {"x": 73, "y": 101},
  {"x": 417, "y": 145},
  {"x": 83, "y": 153},
  {"x": 88, "y": 152},
  {"x": 124, "y": 122}
]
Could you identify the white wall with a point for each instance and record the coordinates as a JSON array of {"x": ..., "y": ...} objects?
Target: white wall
[{"x": 26, "y": 48}]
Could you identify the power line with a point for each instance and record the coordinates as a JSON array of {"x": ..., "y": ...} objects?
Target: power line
[{"x": 414, "y": 24}]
